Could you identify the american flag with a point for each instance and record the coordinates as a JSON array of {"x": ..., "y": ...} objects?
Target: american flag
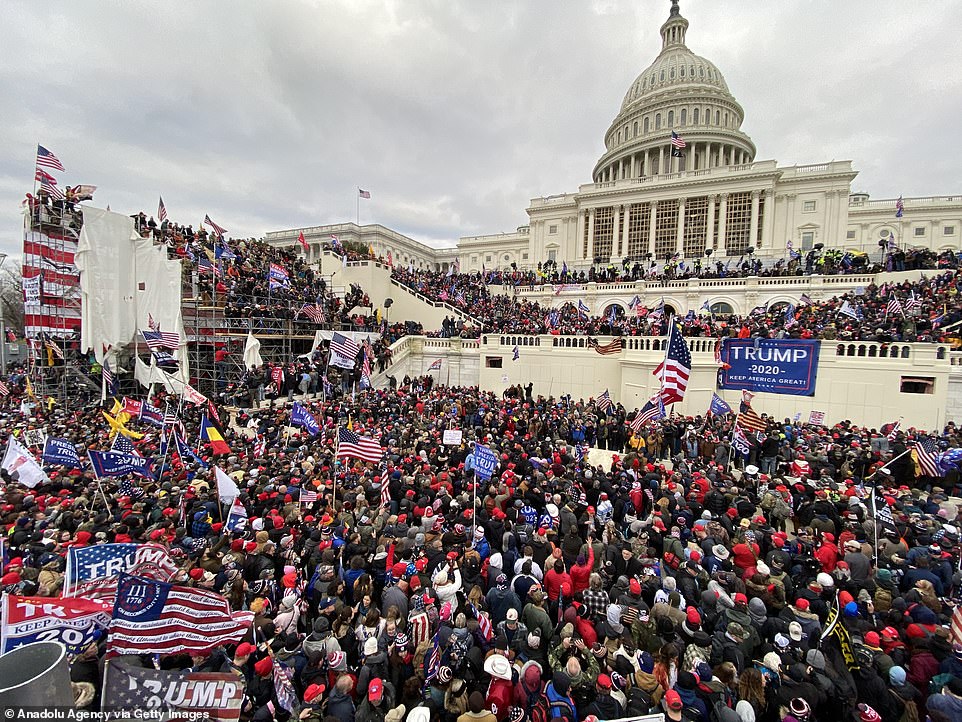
[
  {"x": 52, "y": 346},
  {"x": 385, "y": 490},
  {"x": 172, "y": 339},
  {"x": 894, "y": 306},
  {"x": 283, "y": 687},
  {"x": 152, "y": 617},
  {"x": 161, "y": 210},
  {"x": 364, "y": 194},
  {"x": 654, "y": 409},
  {"x": 612, "y": 347},
  {"x": 343, "y": 346},
  {"x": 335, "y": 242},
  {"x": 363, "y": 447},
  {"x": 315, "y": 312},
  {"x": 893, "y": 430},
  {"x": 604, "y": 401},
  {"x": 435, "y": 366},
  {"x": 749, "y": 420},
  {"x": 913, "y": 303},
  {"x": 677, "y": 141},
  {"x": 434, "y": 659},
  {"x": 47, "y": 159},
  {"x": 220, "y": 231},
  {"x": 925, "y": 455},
  {"x": 899, "y": 207},
  {"x": 366, "y": 369},
  {"x": 484, "y": 623},
  {"x": 159, "y": 340},
  {"x": 956, "y": 625},
  {"x": 260, "y": 446},
  {"x": 816, "y": 417},
  {"x": 583, "y": 308},
  {"x": 307, "y": 497},
  {"x": 675, "y": 369},
  {"x": 48, "y": 183},
  {"x": 4, "y": 389}
]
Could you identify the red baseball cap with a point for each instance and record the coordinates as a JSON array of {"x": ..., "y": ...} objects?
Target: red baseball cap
[
  {"x": 741, "y": 598},
  {"x": 375, "y": 689},
  {"x": 604, "y": 681},
  {"x": 673, "y": 700}
]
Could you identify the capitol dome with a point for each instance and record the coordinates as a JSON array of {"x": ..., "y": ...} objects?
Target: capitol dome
[{"x": 679, "y": 92}]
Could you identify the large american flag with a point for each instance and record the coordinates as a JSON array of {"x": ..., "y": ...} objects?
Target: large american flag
[
  {"x": 484, "y": 623},
  {"x": 48, "y": 159},
  {"x": 385, "y": 490},
  {"x": 925, "y": 453},
  {"x": 677, "y": 141},
  {"x": 152, "y": 617},
  {"x": 363, "y": 193},
  {"x": 161, "y": 210},
  {"x": 307, "y": 496},
  {"x": 363, "y": 447},
  {"x": 749, "y": 420},
  {"x": 49, "y": 184},
  {"x": 343, "y": 346},
  {"x": 675, "y": 370}
]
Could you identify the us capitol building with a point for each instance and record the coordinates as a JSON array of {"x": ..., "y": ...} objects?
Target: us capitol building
[{"x": 715, "y": 197}]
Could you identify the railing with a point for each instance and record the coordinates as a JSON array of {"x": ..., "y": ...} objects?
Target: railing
[{"x": 436, "y": 304}]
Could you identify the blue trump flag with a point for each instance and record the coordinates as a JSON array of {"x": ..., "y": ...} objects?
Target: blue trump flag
[
  {"x": 485, "y": 462},
  {"x": 97, "y": 562},
  {"x": 152, "y": 415},
  {"x": 718, "y": 406},
  {"x": 305, "y": 419},
  {"x": 61, "y": 452},
  {"x": 114, "y": 463}
]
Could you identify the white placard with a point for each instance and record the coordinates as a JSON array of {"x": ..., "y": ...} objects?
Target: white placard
[{"x": 452, "y": 437}]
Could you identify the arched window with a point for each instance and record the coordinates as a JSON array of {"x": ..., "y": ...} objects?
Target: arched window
[
  {"x": 721, "y": 308},
  {"x": 662, "y": 76},
  {"x": 646, "y": 125},
  {"x": 694, "y": 116},
  {"x": 707, "y": 116},
  {"x": 726, "y": 120},
  {"x": 717, "y": 117},
  {"x": 619, "y": 136},
  {"x": 671, "y": 118},
  {"x": 657, "y": 121},
  {"x": 634, "y": 129},
  {"x": 684, "y": 116},
  {"x": 682, "y": 71}
]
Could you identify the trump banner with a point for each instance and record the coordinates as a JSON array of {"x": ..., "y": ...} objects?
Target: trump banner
[
  {"x": 87, "y": 567},
  {"x": 194, "y": 695},
  {"x": 775, "y": 366},
  {"x": 72, "y": 622}
]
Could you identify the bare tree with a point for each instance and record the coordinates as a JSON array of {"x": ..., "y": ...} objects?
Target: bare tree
[{"x": 11, "y": 296}]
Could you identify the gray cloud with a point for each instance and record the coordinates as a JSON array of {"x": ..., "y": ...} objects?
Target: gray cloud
[{"x": 453, "y": 114}]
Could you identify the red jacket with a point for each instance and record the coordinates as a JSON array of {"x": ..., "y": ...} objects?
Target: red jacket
[
  {"x": 500, "y": 694},
  {"x": 827, "y": 555},
  {"x": 580, "y": 575},
  {"x": 553, "y": 581}
]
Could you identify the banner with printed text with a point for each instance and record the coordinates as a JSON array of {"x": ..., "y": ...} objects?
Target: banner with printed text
[{"x": 774, "y": 366}]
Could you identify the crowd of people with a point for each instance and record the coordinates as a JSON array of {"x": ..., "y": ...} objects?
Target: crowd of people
[
  {"x": 567, "y": 587},
  {"x": 927, "y": 311}
]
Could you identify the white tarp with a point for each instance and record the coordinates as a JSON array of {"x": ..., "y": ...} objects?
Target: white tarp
[
  {"x": 252, "y": 352},
  {"x": 124, "y": 279},
  {"x": 357, "y": 336}
]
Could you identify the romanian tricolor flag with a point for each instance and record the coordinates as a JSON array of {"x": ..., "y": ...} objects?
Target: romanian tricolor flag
[{"x": 211, "y": 434}]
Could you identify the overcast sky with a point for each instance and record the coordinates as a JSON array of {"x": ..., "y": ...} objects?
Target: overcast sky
[{"x": 269, "y": 115}]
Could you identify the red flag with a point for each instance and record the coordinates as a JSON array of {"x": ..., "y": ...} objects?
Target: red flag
[
  {"x": 956, "y": 625},
  {"x": 303, "y": 241}
]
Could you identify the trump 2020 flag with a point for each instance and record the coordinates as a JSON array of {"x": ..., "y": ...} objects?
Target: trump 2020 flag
[
  {"x": 305, "y": 419},
  {"x": 61, "y": 452},
  {"x": 237, "y": 518},
  {"x": 152, "y": 617},
  {"x": 72, "y": 622},
  {"x": 719, "y": 406},
  {"x": 115, "y": 463}
]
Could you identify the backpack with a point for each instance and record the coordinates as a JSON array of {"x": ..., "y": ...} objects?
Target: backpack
[
  {"x": 882, "y": 600},
  {"x": 638, "y": 702},
  {"x": 557, "y": 711}
]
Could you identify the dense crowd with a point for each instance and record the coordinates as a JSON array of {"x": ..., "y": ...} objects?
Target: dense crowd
[
  {"x": 658, "y": 579},
  {"x": 927, "y": 311}
]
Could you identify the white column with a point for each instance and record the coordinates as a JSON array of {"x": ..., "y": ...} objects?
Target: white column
[
  {"x": 651, "y": 228},
  {"x": 624, "y": 231},
  {"x": 647, "y": 162},
  {"x": 753, "y": 224},
  {"x": 615, "y": 234},
  {"x": 710, "y": 230},
  {"x": 680, "y": 234},
  {"x": 720, "y": 242},
  {"x": 580, "y": 235},
  {"x": 661, "y": 160},
  {"x": 708, "y": 155},
  {"x": 591, "y": 235},
  {"x": 768, "y": 211}
]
